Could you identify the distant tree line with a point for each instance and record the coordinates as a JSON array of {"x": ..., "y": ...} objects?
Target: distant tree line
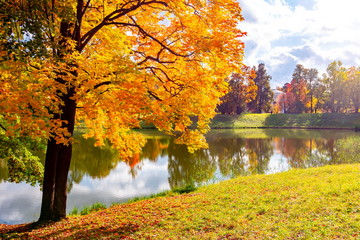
[
  {"x": 337, "y": 91},
  {"x": 249, "y": 91}
]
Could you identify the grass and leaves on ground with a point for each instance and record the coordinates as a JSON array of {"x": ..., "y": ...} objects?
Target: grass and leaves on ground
[{"x": 317, "y": 203}]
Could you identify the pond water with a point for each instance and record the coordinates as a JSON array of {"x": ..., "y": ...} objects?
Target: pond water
[{"x": 98, "y": 175}]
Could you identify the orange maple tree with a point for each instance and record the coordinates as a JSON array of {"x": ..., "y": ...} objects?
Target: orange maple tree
[
  {"x": 111, "y": 64},
  {"x": 242, "y": 91}
]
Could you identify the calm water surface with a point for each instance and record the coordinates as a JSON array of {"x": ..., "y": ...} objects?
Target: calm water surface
[{"x": 98, "y": 175}]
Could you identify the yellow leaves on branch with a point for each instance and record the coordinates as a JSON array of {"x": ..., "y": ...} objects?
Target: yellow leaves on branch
[{"x": 128, "y": 61}]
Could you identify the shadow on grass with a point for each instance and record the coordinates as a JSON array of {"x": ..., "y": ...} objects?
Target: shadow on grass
[
  {"x": 294, "y": 120},
  {"x": 16, "y": 231},
  {"x": 77, "y": 232},
  {"x": 89, "y": 232},
  {"x": 312, "y": 120}
]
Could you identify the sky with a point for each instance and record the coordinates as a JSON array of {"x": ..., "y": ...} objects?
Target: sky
[{"x": 314, "y": 33}]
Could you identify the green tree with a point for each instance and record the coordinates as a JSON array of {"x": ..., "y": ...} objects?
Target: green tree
[
  {"x": 311, "y": 78},
  {"x": 334, "y": 81},
  {"x": 353, "y": 87},
  {"x": 21, "y": 161},
  {"x": 264, "y": 95},
  {"x": 319, "y": 97}
]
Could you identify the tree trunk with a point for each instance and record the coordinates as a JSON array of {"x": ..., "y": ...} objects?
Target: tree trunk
[
  {"x": 57, "y": 163},
  {"x": 48, "y": 196}
]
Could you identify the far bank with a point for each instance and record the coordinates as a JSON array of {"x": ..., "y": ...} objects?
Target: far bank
[{"x": 281, "y": 120}]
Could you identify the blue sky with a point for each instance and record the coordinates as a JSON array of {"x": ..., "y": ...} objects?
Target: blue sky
[{"x": 283, "y": 33}]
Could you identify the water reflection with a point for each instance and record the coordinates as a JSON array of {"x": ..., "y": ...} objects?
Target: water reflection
[
  {"x": 97, "y": 174},
  {"x": 242, "y": 152},
  {"x": 91, "y": 161}
]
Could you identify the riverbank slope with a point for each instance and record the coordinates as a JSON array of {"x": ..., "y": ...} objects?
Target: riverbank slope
[
  {"x": 305, "y": 120},
  {"x": 317, "y": 203}
]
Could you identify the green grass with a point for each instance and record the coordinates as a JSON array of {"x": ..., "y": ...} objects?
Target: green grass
[
  {"x": 348, "y": 149},
  {"x": 281, "y": 120},
  {"x": 87, "y": 209},
  {"x": 167, "y": 193},
  {"x": 317, "y": 203},
  {"x": 305, "y": 120}
]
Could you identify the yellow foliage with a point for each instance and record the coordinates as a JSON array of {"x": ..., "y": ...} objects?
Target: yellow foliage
[{"x": 121, "y": 62}]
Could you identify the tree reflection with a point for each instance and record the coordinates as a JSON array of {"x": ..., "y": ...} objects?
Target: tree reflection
[
  {"x": 259, "y": 152},
  {"x": 155, "y": 147},
  {"x": 189, "y": 168},
  {"x": 4, "y": 174},
  {"x": 347, "y": 150},
  {"x": 92, "y": 161},
  {"x": 303, "y": 153},
  {"x": 230, "y": 154}
]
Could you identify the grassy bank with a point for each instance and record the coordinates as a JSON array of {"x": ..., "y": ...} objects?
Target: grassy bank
[
  {"x": 321, "y": 203},
  {"x": 305, "y": 120}
]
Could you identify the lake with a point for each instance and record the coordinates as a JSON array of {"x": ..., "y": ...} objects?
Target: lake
[{"x": 98, "y": 175}]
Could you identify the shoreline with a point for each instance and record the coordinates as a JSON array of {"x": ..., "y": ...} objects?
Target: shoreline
[{"x": 311, "y": 203}]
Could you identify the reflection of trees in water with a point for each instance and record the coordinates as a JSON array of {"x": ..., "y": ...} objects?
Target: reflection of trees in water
[
  {"x": 92, "y": 161},
  {"x": 302, "y": 153},
  {"x": 323, "y": 152},
  {"x": 186, "y": 168},
  {"x": 259, "y": 152},
  {"x": 4, "y": 174},
  {"x": 154, "y": 148},
  {"x": 347, "y": 150},
  {"x": 230, "y": 154}
]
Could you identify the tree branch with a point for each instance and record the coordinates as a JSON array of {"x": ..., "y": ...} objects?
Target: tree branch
[
  {"x": 99, "y": 85},
  {"x": 154, "y": 59},
  {"x": 113, "y": 16},
  {"x": 154, "y": 95},
  {"x": 146, "y": 34},
  {"x": 102, "y": 84},
  {"x": 1, "y": 126}
]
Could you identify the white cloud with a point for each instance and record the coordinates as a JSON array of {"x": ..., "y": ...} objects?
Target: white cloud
[
  {"x": 282, "y": 33},
  {"x": 119, "y": 185},
  {"x": 19, "y": 202}
]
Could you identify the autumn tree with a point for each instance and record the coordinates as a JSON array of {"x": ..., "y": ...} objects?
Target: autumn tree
[
  {"x": 353, "y": 87},
  {"x": 333, "y": 81},
  {"x": 298, "y": 87},
  {"x": 242, "y": 91},
  {"x": 264, "y": 94},
  {"x": 109, "y": 65},
  {"x": 311, "y": 79},
  {"x": 319, "y": 97},
  {"x": 286, "y": 100}
]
